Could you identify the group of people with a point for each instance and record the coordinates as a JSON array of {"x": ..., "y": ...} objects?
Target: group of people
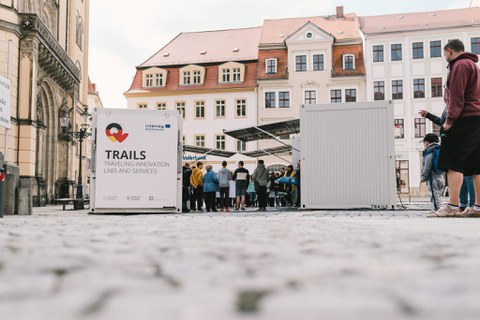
[
  {"x": 200, "y": 186},
  {"x": 458, "y": 153}
]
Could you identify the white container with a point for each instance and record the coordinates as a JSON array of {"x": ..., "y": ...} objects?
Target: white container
[
  {"x": 137, "y": 161},
  {"x": 348, "y": 156}
]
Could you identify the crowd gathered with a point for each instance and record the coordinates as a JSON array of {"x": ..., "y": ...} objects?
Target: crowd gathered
[{"x": 205, "y": 190}]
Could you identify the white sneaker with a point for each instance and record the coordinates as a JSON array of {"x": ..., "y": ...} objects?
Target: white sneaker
[{"x": 445, "y": 212}]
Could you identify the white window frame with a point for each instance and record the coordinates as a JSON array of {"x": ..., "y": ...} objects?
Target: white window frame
[
  {"x": 159, "y": 79},
  {"x": 220, "y": 138},
  {"x": 306, "y": 62},
  {"x": 181, "y": 106},
  {"x": 289, "y": 99},
  {"x": 226, "y": 75},
  {"x": 241, "y": 146},
  {"x": 197, "y": 77},
  {"x": 149, "y": 80},
  {"x": 237, "y": 104},
  {"x": 220, "y": 102},
  {"x": 305, "y": 95},
  {"x": 186, "y": 76},
  {"x": 143, "y": 105},
  {"x": 274, "y": 100},
  {"x": 275, "y": 65},
  {"x": 345, "y": 56},
  {"x": 200, "y": 105},
  {"x": 323, "y": 61},
  {"x": 162, "y": 106},
  {"x": 200, "y": 140}
]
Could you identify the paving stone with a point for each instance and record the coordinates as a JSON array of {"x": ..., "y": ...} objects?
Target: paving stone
[{"x": 276, "y": 265}]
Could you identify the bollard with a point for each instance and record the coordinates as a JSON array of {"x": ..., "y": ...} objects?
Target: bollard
[{"x": 3, "y": 174}]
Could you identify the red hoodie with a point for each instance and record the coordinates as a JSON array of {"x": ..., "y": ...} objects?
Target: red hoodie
[{"x": 462, "y": 91}]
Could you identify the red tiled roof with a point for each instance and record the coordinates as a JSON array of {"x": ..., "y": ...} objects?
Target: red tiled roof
[
  {"x": 276, "y": 31},
  {"x": 420, "y": 20},
  {"x": 210, "y": 81},
  {"x": 208, "y": 47}
]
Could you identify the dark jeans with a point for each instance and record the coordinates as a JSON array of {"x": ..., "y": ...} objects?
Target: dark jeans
[
  {"x": 210, "y": 201},
  {"x": 185, "y": 196},
  {"x": 262, "y": 196},
  {"x": 224, "y": 197},
  {"x": 197, "y": 198}
]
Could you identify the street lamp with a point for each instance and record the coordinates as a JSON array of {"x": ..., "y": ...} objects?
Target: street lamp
[{"x": 80, "y": 135}]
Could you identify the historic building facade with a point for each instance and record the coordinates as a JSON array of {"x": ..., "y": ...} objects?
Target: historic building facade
[
  {"x": 302, "y": 61},
  {"x": 47, "y": 65},
  {"x": 405, "y": 63},
  {"x": 210, "y": 77}
]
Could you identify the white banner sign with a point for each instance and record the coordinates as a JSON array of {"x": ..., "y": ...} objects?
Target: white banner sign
[
  {"x": 136, "y": 159},
  {"x": 5, "y": 102}
]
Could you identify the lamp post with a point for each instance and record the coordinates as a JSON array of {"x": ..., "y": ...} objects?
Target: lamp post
[{"x": 81, "y": 135}]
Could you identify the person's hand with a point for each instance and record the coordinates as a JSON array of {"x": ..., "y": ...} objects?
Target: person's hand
[
  {"x": 446, "y": 126},
  {"x": 423, "y": 113}
]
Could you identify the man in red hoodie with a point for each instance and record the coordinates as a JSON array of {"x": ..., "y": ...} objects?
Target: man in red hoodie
[{"x": 460, "y": 152}]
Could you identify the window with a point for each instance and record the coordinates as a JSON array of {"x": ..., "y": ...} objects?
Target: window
[
  {"x": 159, "y": 80},
  {"x": 419, "y": 88},
  {"x": 79, "y": 31},
  {"x": 186, "y": 77},
  {"x": 350, "y": 95},
  {"x": 396, "y": 51},
  {"x": 200, "y": 141},
  {"x": 335, "y": 96},
  {"x": 399, "y": 129},
  {"x": 378, "y": 53},
  {"x": 437, "y": 88},
  {"x": 379, "y": 90},
  {"x": 236, "y": 74},
  {"x": 142, "y": 106},
  {"x": 220, "y": 108},
  {"x": 310, "y": 97},
  {"x": 180, "y": 106},
  {"x": 149, "y": 80},
  {"x": 271, "y": 65},
  {"x": 318, "y": 62},
  {"x": 301, "y": 63},
  {"x": 417, "y": 50},
  {"x": 199, "y": 109},
  {"x": 348, "y": 62},
  {"x": 269, "y": 99},
  {"x": 475, "y": 42},
  {"x": 241, "y": 107},
  {"x": 197, "y": 77},
  {"x": 435, "y": 49},
  {"x": 225, "y": 75},
  {"x": 420, "y": 127},
  {"x": 284, "y": 99},
  {"x": 220, "y": 142},
  {"x": 397, "y": 89},
  {"x": 161, "y": 106},
  {"x": 241, "y": 146}
]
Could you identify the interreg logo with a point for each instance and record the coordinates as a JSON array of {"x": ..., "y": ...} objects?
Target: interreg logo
[
  {"x": 157, "y": 127},
  {"x": 115, "y": 132}
]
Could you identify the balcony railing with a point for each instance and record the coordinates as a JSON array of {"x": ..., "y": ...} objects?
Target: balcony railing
[{"x": 31, "y": 24}]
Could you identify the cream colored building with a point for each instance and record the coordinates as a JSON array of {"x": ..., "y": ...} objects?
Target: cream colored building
[{"x": 48, "y": 65}]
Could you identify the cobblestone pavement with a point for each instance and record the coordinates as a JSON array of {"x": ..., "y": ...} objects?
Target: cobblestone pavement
[{"x": 274, "y": 265}]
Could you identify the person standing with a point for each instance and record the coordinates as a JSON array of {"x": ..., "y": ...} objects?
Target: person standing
[
  {"x": 289, "y": 187},
  {"x": 241, "y": 177},
  {"x": 260, "y": 179},
  {"x": 224, "y": 177},
  {"x": 196, "y": 181},
  {"x": 431, "y": 175},
  {"x": 210, "y": 187},
  {"x": 467, "y": 192},
  {"x": 297, "y": 184},
  {"x": 187, "y": 172},
  {"x": 460, "y": 149}
]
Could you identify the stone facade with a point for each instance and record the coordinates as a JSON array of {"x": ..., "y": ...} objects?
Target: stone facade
[{"x": 48, "y": 66}]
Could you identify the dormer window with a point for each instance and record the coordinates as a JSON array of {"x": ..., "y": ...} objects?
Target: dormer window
[
  {"x": 271, "y": 65},
  {"x": 154, "y": 77},
  {"x": 192, "y": 75},
  {"x": 231, "y": 72},
  {"x": 149, "y": 80},
  {"x": 349, "y": 62}
]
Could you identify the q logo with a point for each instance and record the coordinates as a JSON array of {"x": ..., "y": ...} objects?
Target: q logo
[{"x": 115, "y": 133}]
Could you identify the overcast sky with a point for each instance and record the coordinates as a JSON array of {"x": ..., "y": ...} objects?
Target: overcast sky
[{"x": 124, "y": 34}]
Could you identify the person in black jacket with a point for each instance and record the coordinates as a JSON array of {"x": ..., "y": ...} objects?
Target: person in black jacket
[{"x": 187, "y": 172}]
